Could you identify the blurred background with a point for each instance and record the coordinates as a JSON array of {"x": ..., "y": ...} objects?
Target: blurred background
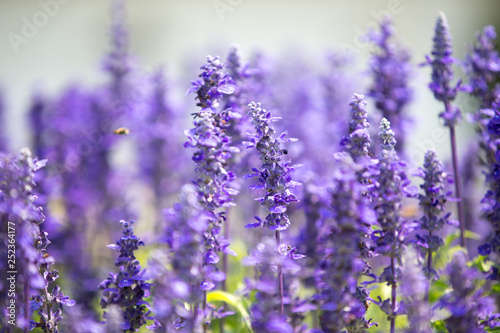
[{"x": 69, "y": 43}]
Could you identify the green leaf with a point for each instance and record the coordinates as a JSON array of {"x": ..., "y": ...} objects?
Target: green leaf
[
  {"x": 236, "y": 302},
  {"x": 438, "y": 288},
  {"x": 472, "y": 235},
  {"x": 439, "y": 326}
]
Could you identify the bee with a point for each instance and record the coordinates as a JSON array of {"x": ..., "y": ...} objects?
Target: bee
[{"x": 121, "y": 131}]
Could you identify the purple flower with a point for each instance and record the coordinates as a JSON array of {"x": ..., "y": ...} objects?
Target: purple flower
[
  {"x": 274, "y": 174},
  {"x": 465, "y": 303},
  {"x": 358, "y": 141},
  {"x": 432, "y": 202},
  {"x": 391, "y": 186},
  {"x": 212, "y": 84},
  {"x": 185, "y": 227},
  {"x": 342, "y": 232},
  {"x": 264, "y": 312},
  {"x": 128, "y": 288},
  {"x": 482, "y": 65},
  {"x": 20, "y": 214},
  {"x": 118, "y": 62},
  {"x": 494, "y": 126},
  {"x": 442, "y": 61},
  {"x": 214, "y": 149},
  {"x": 390, "y": 67}
]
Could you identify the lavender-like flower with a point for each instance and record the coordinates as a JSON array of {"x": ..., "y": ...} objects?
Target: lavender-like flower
[
  {"x": 186, "y": 224},
  {"x": 441, "y": 86},
  {"x": 442, "y": 72},
  {"x": 391, "y": 186},
  {"x": 20, "y": 229},
  {"x": 48, "y": 304},
  {"x": 491, "y": 200},
  {"x": 128, "y": 288},
  {"x": 213, "y": 150},
  {"x": 211, "y": 85},
  {"x": 417, "y": 306},
  {"x": 390, "y": 67},
  {"x": 432, "y": 201},
  {"x": 342, "y": 230},
  {"x": 358, "y": 141},
  {"x": 482, "y": 65},
  {"x": 466, "y": 303},
  {"x": 118, "y": 62},
  {"x": 275, "y": 176},
  {"x": 266, "y": 258}
]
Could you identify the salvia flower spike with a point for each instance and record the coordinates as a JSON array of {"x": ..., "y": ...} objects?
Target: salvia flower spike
[
  {"x": 444, "y": 91},
  {"x": 128, "y": 288}
]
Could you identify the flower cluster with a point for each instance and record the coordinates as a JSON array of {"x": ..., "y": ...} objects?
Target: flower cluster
[
  {"x": 49, "y": 305},
  {"x": 267, "y": 258},
  {"x": 181, "y": 280},
  {"x": 358, "y": 142},
  {"x": 20, "y": 223},
  {"x": 275, "y": 174},
  {"x": 390, "y": 67},
  {"x": 491, "y": 200},
  {"x": 391, "y": 186},
  {"x": 442, "y": 72},
  {"x": 482, "y": 65},
  {"x": 212, "y": 84},
  {"x": 432, "y": 201},
  {"x": 213, "y": 150},
  {"x": 346, "y": 225},
  {"x": 466, "y": 302},
  {"x": 128, "y": 288}
]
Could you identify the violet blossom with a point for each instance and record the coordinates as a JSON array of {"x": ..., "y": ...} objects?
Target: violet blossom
[
  {"x": 416, "y": 304},
  {"x": 432, "y": 202},
  {"x": 214, "y": 149},
  {"x": 391, "y": 69},
  {"x": 467, "y": 305},
  {"x": 342, "y": 230},
  {"x": 391, "y": 186},
  {"x": 3, "y": 139},
  {"x": 177, "y": 272},
  {"x": 482, "y": 65},
  {"x": 358, "y": 141},
  {"x": 441, "y": 85},
  {"x": 274, "y": 174},
  {"x": 128, "y": 288},
  {"x": 491, "y": 201},
  {"x": 267, "y": 258}
]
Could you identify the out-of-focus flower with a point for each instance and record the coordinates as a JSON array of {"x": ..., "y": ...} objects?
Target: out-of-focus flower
[
  {"x": 391, "y": 69},
  {"x": 266, "y": 258},
  {"x": 466, "y": 303},
  {"x": 482, "y": 65},
  {"x": 178, "y": 272},
  {"x": 343, "y": 229},
  {"x": 413, "y": 287}
]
